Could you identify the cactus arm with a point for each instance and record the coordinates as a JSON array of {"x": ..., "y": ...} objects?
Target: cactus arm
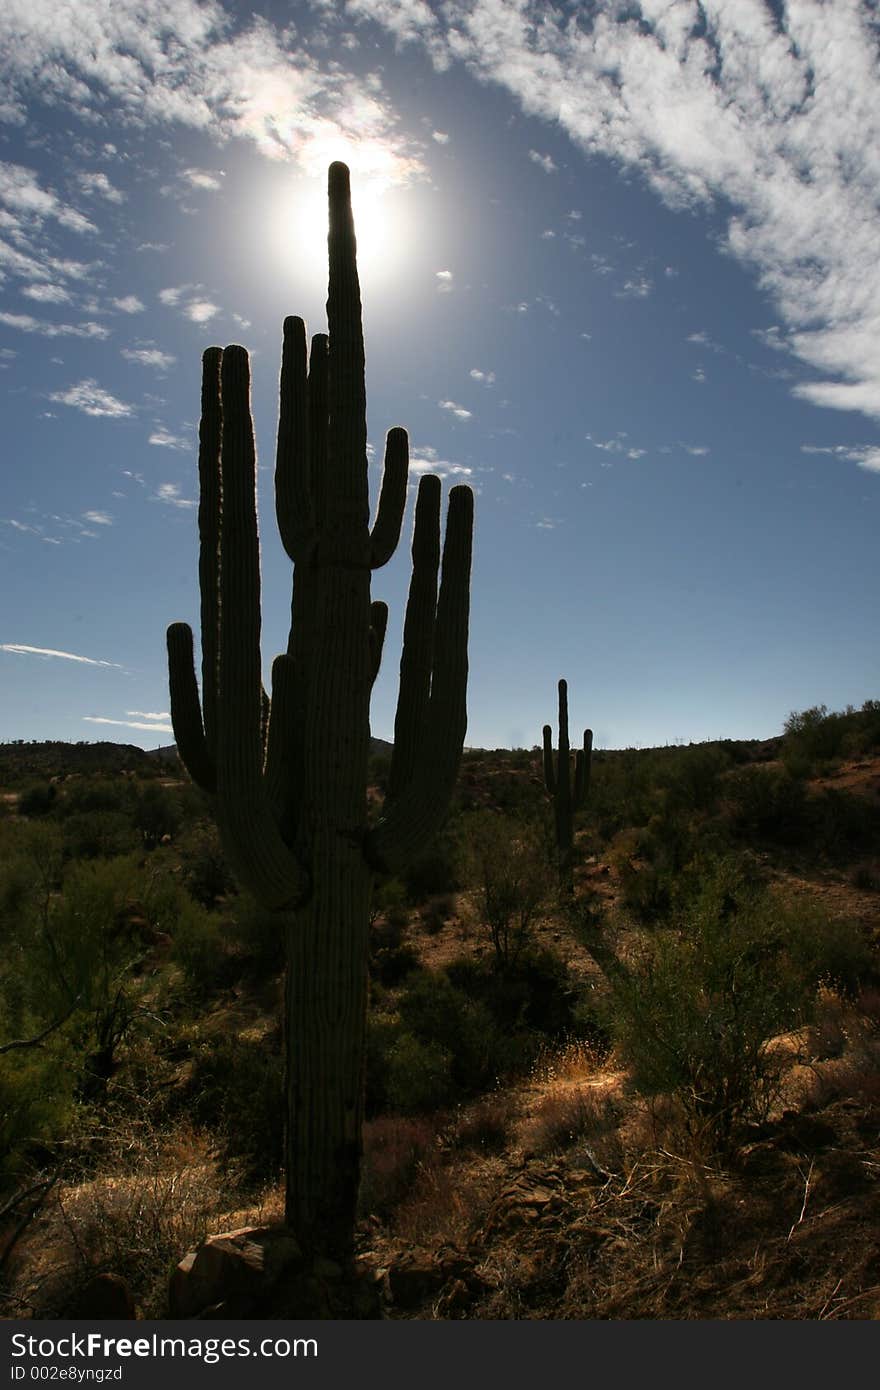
[
  {"x": 418, "y": 637},
  {"x": 294, "y": 506},
  {"x": 378, "y": 625},
  {"x": 186, "y": 713},
  {"x": 419, "y": 808},
  {"x": 392, "y": 499},
  {"x": 243, "y": 810},
  {"x": 210, "y": 503},
  {"x": 582, "y": 771},
  {"x": 549, "y": 770},
  {"x": 280, "y": 770}
]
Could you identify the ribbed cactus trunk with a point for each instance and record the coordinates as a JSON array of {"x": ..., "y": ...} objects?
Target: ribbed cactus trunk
[
  {"x": 289, "y": 777},
  {"x": 567, "y": 798}
]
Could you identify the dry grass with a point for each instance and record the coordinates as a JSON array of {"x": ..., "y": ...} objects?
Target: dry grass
[{"x": 156, "y": 1197}]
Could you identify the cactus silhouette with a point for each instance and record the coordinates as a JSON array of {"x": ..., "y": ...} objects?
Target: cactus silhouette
[
  {"x": 567, "y": 798},
  {"x": 288, "y": 777}
]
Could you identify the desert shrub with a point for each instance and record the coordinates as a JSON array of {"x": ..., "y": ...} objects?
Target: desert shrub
[
  {"x": 383, "y": 1029},
  {"x": 388, "y": 905},
  {"x": 396, "y": 1147},
  {"x": 693, "y": 1010},
  {"x": 437, "y": 1014},
  {"x": 767, "y": 803},
  {"x": 100, "y": 834},
  {"x": 36, "y": 1100},
  {"x": 38, "y": 799},
  {"x": 156, "y": 812},
  {"x": 437, "y": 911},
  {"x": 814, "y": 735},
  {"x": 842, "y": 824},
  {"x": 434, "y": 871},
  {"x": 419, "y": 1074},
  {"x": 692, "y": 780},
  {"x": 236, "y": 1090},
  {"x": 510, "y": 865},
  {"x": 206, "y": 874},
  {"x": 201, "y": 946},
  {"x": 257, "y": 932},
  {"x": 86, "y": 794}
]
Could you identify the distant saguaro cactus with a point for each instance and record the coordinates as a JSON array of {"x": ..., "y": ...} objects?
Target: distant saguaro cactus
[
  {"x": 566, "y": 798},
  {"x": 289, "y": 778}
]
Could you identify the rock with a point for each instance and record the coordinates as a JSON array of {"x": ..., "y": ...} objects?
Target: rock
[{"x": 234, "y": 1272}]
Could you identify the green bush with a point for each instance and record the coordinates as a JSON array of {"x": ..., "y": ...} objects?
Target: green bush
[
  {"x": 419, "y": 1075},
  {"x": 693, "y": 1011},
  {"x": 99, "y": 834},
  {"x": 236, "y": 1090},
  {"x": 38, "y": 799},
  {"x": 768, "y": 803}
]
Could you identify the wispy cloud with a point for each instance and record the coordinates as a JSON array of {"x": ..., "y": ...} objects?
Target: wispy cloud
[
  {"x": 185, "y": 63},
  {"x": 98, "y": 518},
  {"x": 131, "y": 723},
  {"x": 169, "y": 493},
  {"x": 150, "y": 357},
  {"x": 618, "y": 445},
  {"x": 769, "y": 112},
  {"x": 164, "y": 439},
  {"x": 487, "y": 378},
  {"x": 25, "y": 323},
  {"x": 425, "y": 459},
  {"x": 544, "y": 161},
  {"x": 865, "y": 455},
  {"x": 92, "y": 399},
  {"x": 458, "y": 411},
  {"x": 129, "y": 304},
  {"x": 21, "y": 650},
  {"x": 98, "y": 185},
  {"x": 444, "y": 280}
]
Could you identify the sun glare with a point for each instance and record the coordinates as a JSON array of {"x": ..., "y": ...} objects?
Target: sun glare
[{"x": 301, "y": 221}]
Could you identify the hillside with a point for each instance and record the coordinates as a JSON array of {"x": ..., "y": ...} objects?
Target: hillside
[{"x": 656, "y": 1098}]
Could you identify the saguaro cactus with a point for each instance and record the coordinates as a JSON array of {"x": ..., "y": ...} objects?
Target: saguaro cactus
[
  {"x": 288, "y": 777},
  {"x": 566, "y": 798}
]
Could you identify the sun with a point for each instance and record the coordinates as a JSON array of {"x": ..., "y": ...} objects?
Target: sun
[{"x": 298, "y": 222}]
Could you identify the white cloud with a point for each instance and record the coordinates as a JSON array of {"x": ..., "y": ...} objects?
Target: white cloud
[
  {"x": 696, "y": 450},
  {"x": 22, "y": 650},
  {"x": 423, "y": 458},
  {"x": 129, "y": 724},
  {"x": 544, "y": 160},
  {"x": 150, "y": 357},
  {"x": 201, "y": 178},
  {"x": 98, "y": 185},
  {"x": 444, "y": 281},
  {"x": 457, "y": 410},
  {"x": 487, "y": 378},
  {"x": 129, "y": 304},
  {"x": 163, "y": 439},
  {"x": 170, "y": 494},
  {"x": 637, "y": 287},
  {"x": 440, "y": 137},
  {"x": 769, "y": 112},
  {"x": 185, "y": 63},
  {"x": 47, "y": 294},
  {"x": 201, "y": 310},
  {"x": 99, "y": 518},
  {"x": 867, "y": 456},
  {"x": 92, "y": 399},
  {"x": 27, "y": 324}
]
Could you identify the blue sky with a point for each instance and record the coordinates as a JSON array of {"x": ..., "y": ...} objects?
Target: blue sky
[{"x": 620, "y": 273}]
